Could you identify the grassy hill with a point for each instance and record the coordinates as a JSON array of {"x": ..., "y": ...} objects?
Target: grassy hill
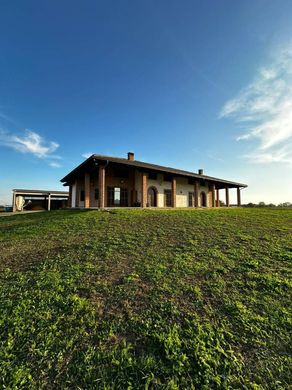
[{"x": 146, "y": 299}]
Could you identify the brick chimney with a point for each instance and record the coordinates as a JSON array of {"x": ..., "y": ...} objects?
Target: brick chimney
[
  {"x": 200, "y": 171},
  {"x": 131, "y": 156}
]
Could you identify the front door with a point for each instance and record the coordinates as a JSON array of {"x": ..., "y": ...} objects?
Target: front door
[
  {"x": 203, "y": 199},
  {"x": 151, "y": 197}
]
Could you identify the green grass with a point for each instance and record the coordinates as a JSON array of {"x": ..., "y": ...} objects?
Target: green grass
[{"x": 186, "y": 299}]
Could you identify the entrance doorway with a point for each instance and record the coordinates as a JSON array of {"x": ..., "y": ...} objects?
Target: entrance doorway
[
  {"x": 152, "y": 197},
  {"x": 203, "y": 199}
]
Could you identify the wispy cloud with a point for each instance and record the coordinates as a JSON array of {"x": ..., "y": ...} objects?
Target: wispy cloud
[
  {"x": 54, "y": 164},
  {"x": 30, "y": 142},
  {"x": 87, "y": 154},
  {"x": 264, "y": 110}
]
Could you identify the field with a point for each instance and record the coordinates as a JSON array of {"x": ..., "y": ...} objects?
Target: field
[{"x": 130, "y": 299}]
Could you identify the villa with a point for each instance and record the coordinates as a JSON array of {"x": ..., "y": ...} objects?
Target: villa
[{"x": 104, "y": 181}]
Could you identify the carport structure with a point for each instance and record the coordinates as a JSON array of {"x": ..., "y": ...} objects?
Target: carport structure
[{"x": 43, "y": 199}]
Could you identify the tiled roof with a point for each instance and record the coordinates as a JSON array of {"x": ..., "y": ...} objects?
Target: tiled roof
[{"x": 148, "y": 166}]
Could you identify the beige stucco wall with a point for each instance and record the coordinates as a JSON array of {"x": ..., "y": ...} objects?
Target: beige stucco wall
[{"x": 182, "y": 192}]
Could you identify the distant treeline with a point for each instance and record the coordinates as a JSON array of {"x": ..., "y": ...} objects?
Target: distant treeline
[{"x": 263, "y": 204}]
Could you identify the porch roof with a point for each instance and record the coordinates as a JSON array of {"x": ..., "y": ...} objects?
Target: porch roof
[
  {"x": 21, "y": 191},
  {"x": 97, "y": 159}
]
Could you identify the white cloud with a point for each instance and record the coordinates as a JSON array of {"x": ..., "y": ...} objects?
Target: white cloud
[
  {"x": 54, "y": 164},
  {"x": 29, "y": 142},
  {"x": 264, "y": 108},
  {"x": 87, "y": 154},
  {"x": 282, "y": 154}
]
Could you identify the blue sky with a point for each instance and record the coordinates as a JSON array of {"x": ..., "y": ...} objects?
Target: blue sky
[{"x": 189, "y": 84}]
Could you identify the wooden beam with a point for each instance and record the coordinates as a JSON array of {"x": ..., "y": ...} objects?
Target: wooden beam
[
  {"x": 217, "y": 198},
  {"x": 144, "y": 190},
  {"x": 49, "y": 202},
  {"x": 227, "y": 196},
  {"x": 238, "y": 197},
  {"x": 196, "y": 193},
  {"x": 13, "y": 202},
  {"x": 69, "y": 201},
  {"x": 101, "y": 187},
  {"x": 173, "y": 192},
  {"x": 87, "y": 190},
  {"x": 213, "y": 195}
]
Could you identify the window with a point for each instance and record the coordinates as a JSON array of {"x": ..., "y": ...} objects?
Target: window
[
  {"x": 96, "y": 193},
  {"x": 167, "y": 198},
  {"x": 191, "y": 180},
  {"x": 117, "y": 197},
  {"x": 191, "y": 199},
  {"x": 124, "y": 197},
  {"x": 82, "y": 195},
  {"x": 152, "y": 176}
]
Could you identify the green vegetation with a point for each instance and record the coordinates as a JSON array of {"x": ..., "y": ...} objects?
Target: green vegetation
[{"x": 186, "y": 299}]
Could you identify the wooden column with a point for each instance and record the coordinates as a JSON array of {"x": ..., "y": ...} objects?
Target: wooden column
[
  {"x": 238, "y": 197},
  {"x": 144, "y": 190},
  {"x": 13, "y": 202},
  {"x": 49, "y": 202},
  {"x": 217, "y": 198},
  {"x": 101, "y": 187},
  {"x": 87, "y": 190},
  {"x": 173, "y": 192},
  {"x": 69, "y": 201},
  {"x": 213, "y": 195},
  {"x": 76, "y": 194},
  {"x": 227, "y": 196},
  {"x": 196, "y": 193}
]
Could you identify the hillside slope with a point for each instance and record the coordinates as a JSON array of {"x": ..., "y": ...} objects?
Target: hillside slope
[{"x": 146, "y": 299}]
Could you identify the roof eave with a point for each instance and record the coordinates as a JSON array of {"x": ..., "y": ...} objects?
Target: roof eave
[{"x": 66, "y": 179}]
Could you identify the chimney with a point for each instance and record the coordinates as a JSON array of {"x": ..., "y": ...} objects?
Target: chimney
[
  {"x": 200, "y": 171},
  {"x": 131, "y": 156}
]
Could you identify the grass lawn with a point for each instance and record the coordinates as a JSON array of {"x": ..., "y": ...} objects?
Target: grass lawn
[{"x": 186, "y": 299}]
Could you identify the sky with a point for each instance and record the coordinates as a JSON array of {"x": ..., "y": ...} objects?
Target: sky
[{"x": 188, "y": 84}]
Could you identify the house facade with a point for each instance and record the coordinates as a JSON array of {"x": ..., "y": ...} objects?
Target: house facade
[{"x": 104, "y": 181}]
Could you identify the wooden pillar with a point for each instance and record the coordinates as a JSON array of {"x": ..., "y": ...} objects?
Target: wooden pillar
[
  {"x": 238, "y": 197},
  {"x": 227, "y": 196},
  {"x": 87, "y": 190},
  {"x": 13, "y": 202},
  {"x": 144, "y": 190},
  {"x": 49, "y": 202},
  {"x": 69, "y": 201},
  {"x": 173, "y": 192},
  {"x": 76, "y": 194},
  {"x": 217, "y": 198},
  {"x": 101, "y": 187},
  {"x": 196, "y": 193},
  {"x": 213, "y": 195}
]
